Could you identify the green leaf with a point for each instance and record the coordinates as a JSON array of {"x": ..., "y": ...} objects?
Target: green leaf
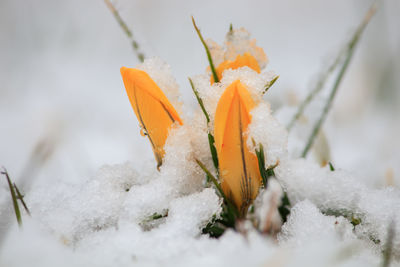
[
  {"x": 284, "y": 208},
  {"x": 331, "y": 166},
  {"x": 231, "y": 208},
  {"x": 199, "y": 100},
  {"x": 265, "y": 173},
  {"x": 261, "y": 165},
  {"x": 210, "y": 61},
  {"x": 21, "y": 198},
  {"x": 269, "y": 85},
  {"x": 213, "y": 150},
  {"x": 14, "y": 197}
]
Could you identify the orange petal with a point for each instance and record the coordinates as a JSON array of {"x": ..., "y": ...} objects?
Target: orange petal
[
  {"x": 239, "y": 170},
  {"x": 152, "y": 108},
  {"x": 241, "y": 61}
]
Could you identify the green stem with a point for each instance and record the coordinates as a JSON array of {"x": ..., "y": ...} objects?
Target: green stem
[
  {"x": 214, "y": 73},
  {"x": 327, "y": 107}
]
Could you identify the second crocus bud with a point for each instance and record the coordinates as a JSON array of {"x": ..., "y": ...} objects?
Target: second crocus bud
[
  {"x": 154, "y": 111},
  {"x": 245, "y": 60}
]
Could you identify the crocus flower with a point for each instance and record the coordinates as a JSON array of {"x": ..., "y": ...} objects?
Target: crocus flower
[
  {"x": 239, "y": 171},
  {"x": 241, "y": 61},
  {"x": 154, "y": 111}
]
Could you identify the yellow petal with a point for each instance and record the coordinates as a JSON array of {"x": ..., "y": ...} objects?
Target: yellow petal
[
  {"x": 152, "y": 108},
  {"x": 241, "y": 61},
  {"x": 239, "y": 172}
]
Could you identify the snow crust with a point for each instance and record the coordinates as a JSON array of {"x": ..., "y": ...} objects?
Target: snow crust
[{"x": 106, "y": 220}]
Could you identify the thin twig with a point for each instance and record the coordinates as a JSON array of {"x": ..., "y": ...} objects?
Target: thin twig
[
  {"x": 126, "y": 30},
  {"x": 13, "y": 196},
  {"x": 214, "y": 73},
  {"x": 324, "y": 77},
  {"x": 387, "y": 253},
  {"x": 349, "y": 54}
]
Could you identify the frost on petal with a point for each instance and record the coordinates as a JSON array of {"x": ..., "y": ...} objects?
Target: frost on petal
[
  {"x": 210, "y": 94},
  {"x": 238, "y": 42},
  {"x": 238, "y": 51},
  {"x": 217, "y": 52},
  {"x": 255, "y": 82}
]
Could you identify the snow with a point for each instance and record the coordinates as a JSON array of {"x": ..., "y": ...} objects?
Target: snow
[
  {"x": 106, "y": 218},
  {"x": 266, "y": 130},
  {"x": 265, "y": 208},
  {"x": 307, "y": 224}
]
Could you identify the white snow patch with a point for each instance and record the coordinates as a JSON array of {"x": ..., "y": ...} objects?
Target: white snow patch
[
  {"x": 339, "y": 193},
  {"x": 266, "y": 130}
]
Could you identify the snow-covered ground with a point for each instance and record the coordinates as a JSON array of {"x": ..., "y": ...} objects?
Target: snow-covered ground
[{"x": 69, "y": 138}]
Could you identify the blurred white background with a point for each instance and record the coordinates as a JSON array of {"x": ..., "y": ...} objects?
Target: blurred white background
[{"x": 60, "y": 80}]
